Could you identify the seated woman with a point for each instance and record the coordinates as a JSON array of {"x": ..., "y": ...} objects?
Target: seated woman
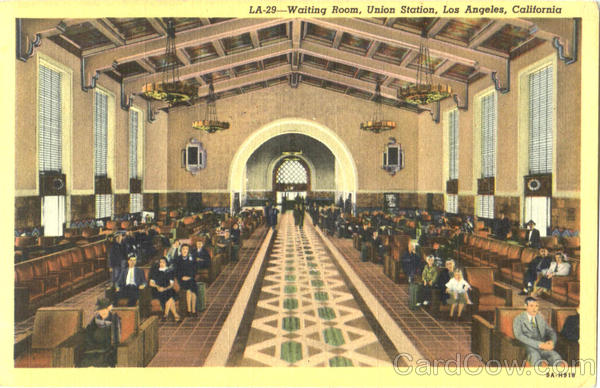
[
  {"x": 185, "y": 268},
  {"x": 102, "y": 335},
  {"x": 457, "y": 289},
  {"x": 161, "y": 281},
  {"x": 559, "y": 267}
]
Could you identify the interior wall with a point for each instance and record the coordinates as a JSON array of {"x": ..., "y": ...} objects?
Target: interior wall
[{"x": 247, "y": 113}]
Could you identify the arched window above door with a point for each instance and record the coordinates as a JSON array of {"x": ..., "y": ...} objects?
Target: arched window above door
[{"x": 291, "y": 174}]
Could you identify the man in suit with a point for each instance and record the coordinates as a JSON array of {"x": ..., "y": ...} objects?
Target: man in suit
[
  {"x": 131, "y": 281},
  {"x": 534, "y": 269},
  {"x": 537, "y": 337},
  {"x": 532, "y": 237},
  {"x": 117, "y": 257},
  {"x": 502, "y": 227}
]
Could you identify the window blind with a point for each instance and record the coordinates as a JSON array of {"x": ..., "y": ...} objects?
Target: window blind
[
  {"x": 101, "y": 133},
  {"x": 136, "y": 203},
  {"x": 453, "y": 151},
  {"x": 485, "y": 206},
  {"x": 540, "y": 121},
  {"x": 103, "y": 205},
  {"x": 488, "y": 135},
  {"x": 53, "y": 214},
  {"x": 133, "y": 144},
  {"x": 49, "y": 120},
  {"x": 452, "y": 203}
]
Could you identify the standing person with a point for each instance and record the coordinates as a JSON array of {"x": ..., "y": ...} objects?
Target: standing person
[
  {"x": 296, "y": 213},
  {"x": 532, "y": 237},
  {"x": 236, "y": 240},
  {"x": 458, "y": 288},
  {"x": 502, "y": 227},
  {"x": 185, "y": 267},
  {"x": 131, "y": 281},
  {"x": 274, "y": 213},
  {"x": 538, "y": 339},
  {"x": 117, "y": 257},
  {"x": 161, "y": 281},
  {"x": 267, "y": 211},
  {"x": 411, "y": 265},
  {"x": 301, "y": 211}
]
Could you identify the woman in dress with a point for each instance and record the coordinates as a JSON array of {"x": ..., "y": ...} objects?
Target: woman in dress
[
  {"x": 559, "y": 267},
  {"x": 457, "y": 289},
  {"x": 161, "y": 281},
  {"x": 102, "y": 335},
  {"x": 185, "y": 267}
]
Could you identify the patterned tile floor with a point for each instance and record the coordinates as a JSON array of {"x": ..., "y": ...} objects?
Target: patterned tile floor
[{"x": 305, "y": 314}]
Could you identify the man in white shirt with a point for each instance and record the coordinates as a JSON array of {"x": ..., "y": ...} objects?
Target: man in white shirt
[
  {"x": 132, "y": 280},
  {"x": 530, "y": 328}
]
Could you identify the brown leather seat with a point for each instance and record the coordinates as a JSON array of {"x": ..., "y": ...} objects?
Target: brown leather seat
[
  {"x": 487, "y": 293},
  {"x": 518, "y": 268}
]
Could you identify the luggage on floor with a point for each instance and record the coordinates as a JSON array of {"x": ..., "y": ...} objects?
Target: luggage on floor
[
  {"x": 201, "y": 297},
  {"x": 413, "y": 295}
]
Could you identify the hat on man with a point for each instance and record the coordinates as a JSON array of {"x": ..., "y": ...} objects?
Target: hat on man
[{"x": 531, "y": 222}]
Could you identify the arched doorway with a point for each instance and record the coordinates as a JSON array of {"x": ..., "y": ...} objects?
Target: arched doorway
[
  {"x": 346, "y": 180},
  {"x": 291, "y": 180}
]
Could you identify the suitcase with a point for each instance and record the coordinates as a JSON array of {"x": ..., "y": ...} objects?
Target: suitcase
[{"x": 201, "y": 297}]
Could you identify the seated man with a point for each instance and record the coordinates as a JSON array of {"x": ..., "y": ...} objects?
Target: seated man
[
  {"x": 131, "y": 281},
  {"x": 537, "y": 337},
  {"x": 559, "y": 267},
  {"x": 377, "y": 243},
  {"x": 534, "y": 270}
]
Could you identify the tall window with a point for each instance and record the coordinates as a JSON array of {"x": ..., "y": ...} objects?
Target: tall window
[
  {"x": 292, "y": 171},
  {"x": 540, "y": 121},
  {"x": 485, "y": 206},
  {"x": 453, "y": 144},
  {"x": 133, "y": 143},
  {"x": 136, "y": 203},
  {"x": 488, "y": 135},
  {"x": 50, "y": 120},
  {"x": 103, "y": 201}
]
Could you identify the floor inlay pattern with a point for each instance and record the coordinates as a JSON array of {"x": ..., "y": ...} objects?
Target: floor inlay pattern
[{"x": 306, "y": 315}]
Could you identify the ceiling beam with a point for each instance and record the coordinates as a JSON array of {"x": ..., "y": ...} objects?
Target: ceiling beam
[
  {"x": 108, "y": 32},
  {"x": 246, "y": 80},
  {"x": 337, "y": 39},
  {"x": 135, "y": 83},
  {"x": 372, "y": 65},
  {"x": 390, "y": 22},
  {"x": 296, "y": 33},
  {"x": 157, "y": 24},
  {"x": 47, "y": 27},
  {"x": 443, "y": 67},
  {"x": 365, "y": 86},
  {"x": 191, "y": 37},
  {"x": 148, "y": 67},
  {"x": 409, "y": 57},
  {"x": 254, "y": 38},
  {"x": 218, "y": 45},
  {"x": 486, "y": 33},
  {"x": 437, "y": 26},
  {"x": 487, "y": 62},
  {"x": 205, "y": 21},
  {"x": 182, "y": 56},
  {"x": 372, "y": 49}
]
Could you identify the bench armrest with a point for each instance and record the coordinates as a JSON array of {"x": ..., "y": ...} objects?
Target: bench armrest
[{"x": 504, "y": 292}]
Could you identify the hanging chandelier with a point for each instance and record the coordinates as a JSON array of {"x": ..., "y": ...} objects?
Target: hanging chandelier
[
  {"x": 424, "y": 91},
  {"x": 377, "y": 123},
  {"x": 171, "y": 89},
  {"x": 210, "y": 124}
]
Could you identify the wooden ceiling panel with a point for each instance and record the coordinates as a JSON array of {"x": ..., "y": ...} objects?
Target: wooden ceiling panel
[
  {"x": 435, "y": 62},
  {"x": 528, "y": 45},
  {"x": 248, "y": 68},
  {"x": 277, "y": 81},
  {"x": 396, "y": 84},
  {"x": 201, "y": 53},
  {"x": 463, "y": 29},
  {"x": 311, "y": 80},
  {"x": 86, "y": 36},
  {"x": 314, "y": 61},
  {"x": 130, "y": 68},
  {"x": 237, "y": 43},
  {"x": 507, "y": 38},
  {"x": 413, "y": 24},
  {"x": 354, "y": 44},
  {"x": 133, "y": 28},
  {"x": 275, "y": 61},
  {"x": 182, "y": 24},
  {"x": 388, "y": 53},
  {"x": 217, "y": 76},
  {"x": 253, "y": 87},
  {"x": 229, "y": 93},
  {"x": 218, "y": 20},
  {"x": 365, "y": 75},
  {"x": 340, "y": 68},
  {"x": 319, "y": 34},
  {"x": 359, "y": 93},
  {"x": 460, "y": 72},
  {"x": 272, "y": 35},
  {"x": 335, "y": 87}
]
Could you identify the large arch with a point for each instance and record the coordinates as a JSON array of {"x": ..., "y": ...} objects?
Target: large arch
[{"x": 237, "y": 168}]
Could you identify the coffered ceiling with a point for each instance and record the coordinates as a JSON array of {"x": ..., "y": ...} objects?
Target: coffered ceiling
[{"x": 344, "y": 55}]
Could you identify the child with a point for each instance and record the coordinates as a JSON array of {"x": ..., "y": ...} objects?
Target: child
[{"x": 457, "y": 288}]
